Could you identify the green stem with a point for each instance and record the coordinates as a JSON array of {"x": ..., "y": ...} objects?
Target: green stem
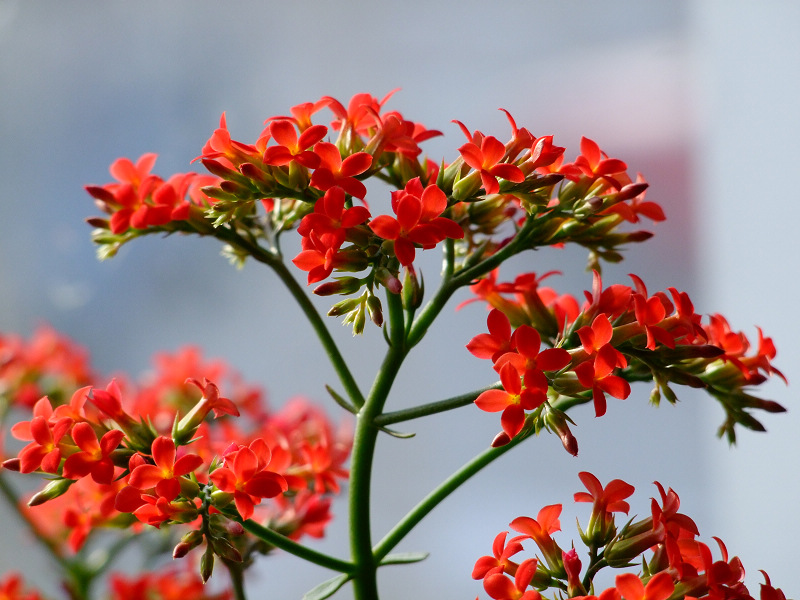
[
  {"x": 237, "y": 578},
  {"x": 284, "y": 543},
  {"x": 454, "y": 281},
  {"x": 432, "y": 500},
  {"x": 274, "y": 261},
  {"x": 365, "y": 585},
  {"x": 432, "y": 408}
]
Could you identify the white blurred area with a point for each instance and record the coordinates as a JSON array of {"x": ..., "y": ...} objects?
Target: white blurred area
[{"x": 698, "y": 95}]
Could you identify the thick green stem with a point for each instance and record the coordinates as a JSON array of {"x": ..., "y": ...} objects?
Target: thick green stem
[
  {"x": 432, "y": 408},
  {"x": 237, "y": 579},
  {"x": 433, "y": 499},
  {"x": 365, "y": 585},
  {"x": 284, "y": 543}
]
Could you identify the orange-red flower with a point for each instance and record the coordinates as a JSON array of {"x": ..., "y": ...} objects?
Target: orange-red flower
[
  {"x": 164, "y": 474},
  {"x": 95, "y": 455},
  {"x": 418, "y": 222},
  {"x": 333, "y": 171},
  {"x": 245, "y": 475},
  {"x": 486, "y": 161},
  {"x": 659, "y": 587}
]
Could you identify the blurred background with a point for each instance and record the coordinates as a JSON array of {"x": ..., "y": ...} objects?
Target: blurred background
[{"x": 698, "y": 95}]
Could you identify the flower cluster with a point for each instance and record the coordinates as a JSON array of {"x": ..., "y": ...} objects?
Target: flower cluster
[
  {"x": 619, "y": 335},
  {"x": 149, "y": 453},
  {"x": 302, "y": 180},
  {"x": 674, "y": 562}
]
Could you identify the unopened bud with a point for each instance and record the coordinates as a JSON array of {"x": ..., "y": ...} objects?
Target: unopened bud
[
  {"x": 12, "y": 464},
  {"x": 342, "y": 285},
  {"x": 344, "y": 307},
  {"x": 388, "y": 280},
  {"x": 556, "y": 421},
  {"x": 413, "y": 290},
  {"x": 375, "y": 310},
  {"x": 98, "y": 222},
  {"x": 221, "y": 499},
  {"x": 623, "y": 551},
  {"x": 207, "y": 564},
  {"x": 500, "y": 440},
  {"x": 188, "y": 542},
  {"x": 52, "y": 490},
  {"x": 466, "y": 187},
  {"x": 224, "y": 549}
]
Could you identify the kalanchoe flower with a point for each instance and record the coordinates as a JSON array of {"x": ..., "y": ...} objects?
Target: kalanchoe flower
[
  {"x": 211, "y": 401},
  {"x": 659, "y": 587},
  {"x": 605, "y": 501},
  {"x": 333, "y": 171},
  {"x": 165, "y": 474},
  {"x": 539, "y": 530},
  {"x": 501, "y": 553},
  {"x": 291, "y": 148},
  {"x": 95, "y": 455},
  {"x": 485, "y": 159},
  {"x": 500, "y": 587},
  {"x": 46, "y": 434},
  {"x": 418, "y": 222},
  {"x": 246, "y": 477}
]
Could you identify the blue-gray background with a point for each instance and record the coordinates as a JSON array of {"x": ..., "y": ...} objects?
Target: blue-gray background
[{"x": 699, "y": 95}]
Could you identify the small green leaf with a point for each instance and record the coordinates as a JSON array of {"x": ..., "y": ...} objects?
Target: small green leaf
[
  {"x": 397, "y": 434},
  {"x": 403, "y": 558},
  {"x": 326, "y": 589},
  {"x": 341, "y": 401}
]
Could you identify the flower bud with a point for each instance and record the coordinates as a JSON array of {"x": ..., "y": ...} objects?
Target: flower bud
[
  {"x": 622, "y": 551},
  {"x": 188, "y": 542},
  {"x": 466, "y": 187},
  {"x": 342, "y": 285},
  {"x": 413, "y": 290},
  {"x": 52, "y": 490},
  {"x": 207, "y": 564},
  {"x": 375, "y": 310},
  {"x": 388, "y": 280},
  {"x": 221, "y": 499},
  {"x": 224, "y": 549}
]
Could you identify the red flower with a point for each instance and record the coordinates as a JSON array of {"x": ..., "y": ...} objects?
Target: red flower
[
  {"x": 595, "y": 374},
  {"x": 95, "y": 456},
  {"x": 362, "y": 112},
  {"x": 486, "y": 160},
  {"x": 44, "y": 451},
  {"x": 501, "y": 552},
  {"x": 164, "y": 474},
  {"x": 290, "y": 148},
  {"x": 530, "y": 361},
  {"x": 540, "y": 529},
  {"x": 500, "y": 587},
  {"x": 333, "y": 171},
  {"x": 418, "y": 221},
  {"x": 330, "y": 215},
  {"x": 595, "y": 163},
  {"x": 659, "y": 587},
  {"x": 513, "y": 400},
  {"x": 245, "y": 476},
  {"x": 495, "y": 343},
  {"x": 605, "y": 500}
]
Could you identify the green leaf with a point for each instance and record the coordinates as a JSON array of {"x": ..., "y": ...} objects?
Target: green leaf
[
  {"x": 404, "y": 558},
  {"x": 397, "y": 434},
  {"x": 326, "y": 589},
  {"x": 341, "y": 401}
]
